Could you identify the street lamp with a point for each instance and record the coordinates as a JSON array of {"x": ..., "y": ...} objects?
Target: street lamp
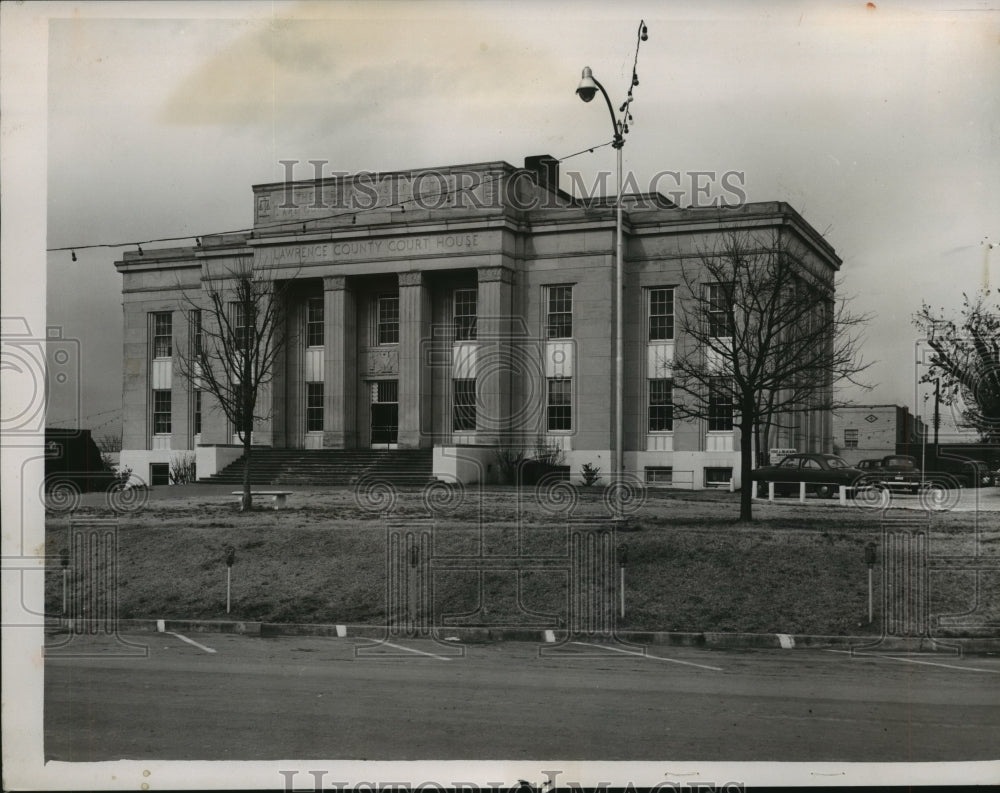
[{"x": 587, "y": 90}]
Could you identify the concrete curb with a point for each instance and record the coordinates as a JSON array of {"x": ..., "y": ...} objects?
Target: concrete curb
[{"x": 710, "y": 639}]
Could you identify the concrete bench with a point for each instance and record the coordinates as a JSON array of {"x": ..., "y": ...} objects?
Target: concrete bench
[{"x": 280, "y": 497}]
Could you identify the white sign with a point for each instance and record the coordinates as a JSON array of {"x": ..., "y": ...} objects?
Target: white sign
[{"x": 777, "y": 455}]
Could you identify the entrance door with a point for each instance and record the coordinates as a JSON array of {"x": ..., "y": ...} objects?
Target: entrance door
[{"x": 385, "y": 413}]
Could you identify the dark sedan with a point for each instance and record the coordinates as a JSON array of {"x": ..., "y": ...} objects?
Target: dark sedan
[{"x": 822, "y": 473}]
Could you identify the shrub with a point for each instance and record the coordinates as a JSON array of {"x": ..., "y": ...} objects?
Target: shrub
[
  {"x": 590, "y": 473},
  {"x": 548, "y": 453},
  {"x": 509, "y": 461},
  {"x": 182, "y": 470}
]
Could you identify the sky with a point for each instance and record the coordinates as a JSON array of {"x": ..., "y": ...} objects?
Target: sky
[
  {"x": 879, "y": 123},
  {"x": 123, "y": 122}
]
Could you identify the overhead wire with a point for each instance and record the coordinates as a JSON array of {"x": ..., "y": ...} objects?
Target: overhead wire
[{"x": 290, "y": 224}]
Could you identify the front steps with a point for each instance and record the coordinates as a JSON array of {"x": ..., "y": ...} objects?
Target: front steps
[{"x": 333, "y": 467}]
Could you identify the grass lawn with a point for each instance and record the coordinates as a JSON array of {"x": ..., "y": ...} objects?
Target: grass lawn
[{"x": 691, "y": 566}]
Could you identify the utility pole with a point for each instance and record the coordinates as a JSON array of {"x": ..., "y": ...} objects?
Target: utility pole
[{"x": 937, "y": 414}]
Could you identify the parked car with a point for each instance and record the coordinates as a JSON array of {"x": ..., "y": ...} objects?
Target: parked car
[
  {"x": 969, "y": 473},
  {"x": 898, "y": 472},
  {"x": 901, "y": 472},
  {"x": 822, "y": 473}
]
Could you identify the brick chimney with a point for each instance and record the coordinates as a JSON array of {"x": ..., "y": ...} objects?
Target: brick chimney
[{"x": 546, "y": 169}]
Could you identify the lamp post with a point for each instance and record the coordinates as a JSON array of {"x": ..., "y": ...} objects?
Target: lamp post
[{"x": 587, "y": 90}]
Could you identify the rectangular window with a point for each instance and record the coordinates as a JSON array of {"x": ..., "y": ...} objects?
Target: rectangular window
[
  {"x": 159, "y": 474},
  {"x": 241, "y": 327},
  {"x": 314, "y": 322},
  {"x": 719, "y": 320},
  {"x": 661, "y": 406},
  {"x": 559, "y": 408},
  {"x": 718, "y": 477},
  {"x": 559, "y": 312},
  {"x": 197, "y": 334},
  {"x": 387, "y": 310},
  {"x": 464, "y": 405},
  {"x": 196, "y": 409},
  {"x": 466, "y": 308},
  {"x": 314, "y": 407},
  {"x": 659, "y": 475},
  {"x": 161, "y": 412},
  {"x": 661, "y": 314},
  {"x": 162, "y": 332},
  {"x": 720, "y": 405},
  {"x": 850, "y": 439}
]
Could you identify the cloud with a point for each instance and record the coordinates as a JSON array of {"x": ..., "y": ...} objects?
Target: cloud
[{"x": 326, "y": 69}]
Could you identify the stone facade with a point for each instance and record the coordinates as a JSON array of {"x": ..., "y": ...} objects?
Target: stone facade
[{"x": 398, "y": 269}]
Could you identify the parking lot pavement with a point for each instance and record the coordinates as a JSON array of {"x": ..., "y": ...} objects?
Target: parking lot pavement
[{"x": 417, "y": 699}]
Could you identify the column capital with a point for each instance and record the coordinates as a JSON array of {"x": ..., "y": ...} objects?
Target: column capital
[
  {"x": 502, "y": 274},
  {"x": 411, "y": 278},
  {"x": 334, "y": 283}
]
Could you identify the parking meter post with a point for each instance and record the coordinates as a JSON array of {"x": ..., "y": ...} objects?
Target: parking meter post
[
  {"x": 869, "y": 596},
  {"x": 64, "y": 561},
  {"x": 230, "y": 559},
  {"x": 770, "y": 491},
  {"x": 622, "y": 561},
  {"x": 870, "y": 551},
  {"x": 843, "y": 495},
  {"x": 623, "y": 593},
  {"x": 802, "y": 492}
]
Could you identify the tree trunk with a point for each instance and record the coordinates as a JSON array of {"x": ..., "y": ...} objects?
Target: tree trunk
[
  {"x": 746, "y": 464},
  {"x": 246, "y": 501},
  {"x": 763, "y": 451}
]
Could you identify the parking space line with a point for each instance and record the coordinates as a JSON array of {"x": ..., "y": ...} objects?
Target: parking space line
[
  {"x": 646, "y": 655},
  {"x": 411, "y": 650},
  {"x": 191, "y": 641},
  {"x": 915, "y": 661}
]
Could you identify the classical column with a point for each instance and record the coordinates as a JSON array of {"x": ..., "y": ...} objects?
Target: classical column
[
  {"x": 340, "y": 364},
  {"x": 414, "y": 374},
  {"x": 279, "y": 372},
  {"x": 180, "y": 388},
  {"x": 494, "y": 361},
  {"x": 263, "y": 428}
]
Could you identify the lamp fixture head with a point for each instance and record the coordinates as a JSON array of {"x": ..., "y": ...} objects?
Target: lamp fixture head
[{"x": 587, "y": 89}]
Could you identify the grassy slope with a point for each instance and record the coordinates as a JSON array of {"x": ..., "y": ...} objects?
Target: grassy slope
[{"x": 691, "y": 568}]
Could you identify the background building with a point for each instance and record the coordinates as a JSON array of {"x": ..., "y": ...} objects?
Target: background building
[
  {"x": 863, "y": 432},
  {"x": 460, "y": 310}
]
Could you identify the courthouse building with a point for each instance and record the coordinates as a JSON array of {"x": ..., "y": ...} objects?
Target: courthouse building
[{"x": 463, "y": 309}]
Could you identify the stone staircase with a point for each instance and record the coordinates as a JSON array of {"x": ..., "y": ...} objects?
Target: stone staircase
[{"x": 332, "y": 467}]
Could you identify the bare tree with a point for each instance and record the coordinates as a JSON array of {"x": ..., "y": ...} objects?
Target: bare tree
[
  {"x": 763, "y": 338},
  {"x": 965, "y": 358},
  {"x": 237, "y": 321},
  {"x": 110, "y": 442}
]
